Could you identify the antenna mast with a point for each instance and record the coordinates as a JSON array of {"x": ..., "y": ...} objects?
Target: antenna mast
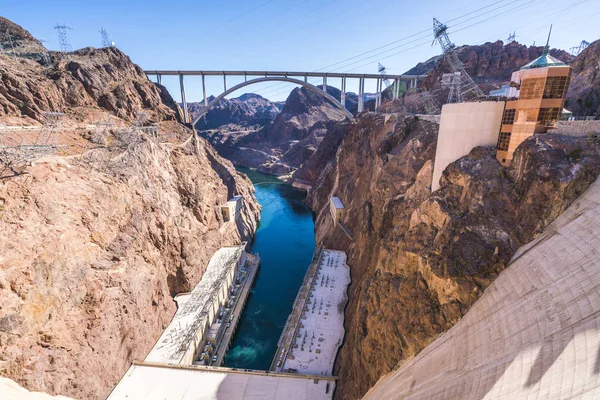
[
  {"x": 63, "y": 38},
  {"x": 468, "y": 89}
]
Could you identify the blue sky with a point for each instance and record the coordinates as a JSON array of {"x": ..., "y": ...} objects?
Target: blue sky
[{"x": 297, "y": 34}]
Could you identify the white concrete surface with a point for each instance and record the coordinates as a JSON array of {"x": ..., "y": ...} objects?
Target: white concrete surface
[
  {"x": 336, "y": 207},
  {"x": 464, "y": 126},
  {"x": 535, "y": 332},
  {"x": 321, "y": 330},
  {"x": 160, "y": 383},
  {"x": 10, "y": 390},
  {"x": 179, "y": 341}
]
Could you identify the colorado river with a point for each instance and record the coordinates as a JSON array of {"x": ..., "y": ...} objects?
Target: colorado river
[{"x": 285, "y": 242}]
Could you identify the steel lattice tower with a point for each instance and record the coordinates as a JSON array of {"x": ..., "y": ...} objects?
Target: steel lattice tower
[
  {"x": 381, "y": 70},
  {"x": 469, "y": 89},
  {"x": 575, "y": 51},
  {"x": 106, "y": 42},
  {"x": 63, "y": 38}
]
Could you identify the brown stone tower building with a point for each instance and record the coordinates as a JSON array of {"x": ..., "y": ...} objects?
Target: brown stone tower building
[{"x": 542, "y": 85}]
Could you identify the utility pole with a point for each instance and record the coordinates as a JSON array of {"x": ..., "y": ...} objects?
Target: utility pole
[
  {"x": 470, "y": 91},
  {"x": 63, "y": 38}
]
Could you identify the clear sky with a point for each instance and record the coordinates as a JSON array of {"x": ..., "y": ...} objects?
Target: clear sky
[{"x": 297, "y": 34}]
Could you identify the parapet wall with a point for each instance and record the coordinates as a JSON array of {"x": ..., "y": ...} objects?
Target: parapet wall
[{"x": 577, "y": 128}]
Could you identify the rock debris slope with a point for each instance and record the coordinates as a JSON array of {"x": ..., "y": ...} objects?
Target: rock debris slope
[{"x": 419, "y": 260}]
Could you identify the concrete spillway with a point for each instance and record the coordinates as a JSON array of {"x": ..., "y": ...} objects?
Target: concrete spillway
[{"x": 535, "y": 333}]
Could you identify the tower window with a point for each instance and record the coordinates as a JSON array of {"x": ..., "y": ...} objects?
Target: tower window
[
  {"x": 532, "y": 88},
  {"x": 503, "y": 141},
  {"x": 548, "y": 116},
  {"x": 556, "y": 87},
  {"x": 508, "y": 118}
]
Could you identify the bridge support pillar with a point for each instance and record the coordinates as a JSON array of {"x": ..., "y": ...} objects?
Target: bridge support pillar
[
  {"x": 343, "y": 95},
  {"x": 159, "y": 79},
  {"x": 379, "y": 94},
  {"x": 361, "y": 94},
  {"x": 396, "y": 88},
  {"x": 224, "y": 82},
  {"x": 325, "y": 84},
  {"x": 183, "y": 100},
  {"x": 204, "y": 91}
]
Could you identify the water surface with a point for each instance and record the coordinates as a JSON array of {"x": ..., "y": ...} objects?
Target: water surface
[{"x": 285, "y": 242}]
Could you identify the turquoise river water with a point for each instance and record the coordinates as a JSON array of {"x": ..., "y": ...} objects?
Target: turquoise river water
[{"x": 285, "y": 242}]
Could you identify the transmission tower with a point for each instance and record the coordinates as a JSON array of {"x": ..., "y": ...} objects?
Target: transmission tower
[
  {"x": 453, "y": 83},
  {"x": 106, "y": 42},
  {"x": 383, "y": 73},
  {"x": 63, "y": 38},
  {"x": 575, "y": 51},
  {"x": 511, "y": 37},
  {"x": 469, "y": 89}
]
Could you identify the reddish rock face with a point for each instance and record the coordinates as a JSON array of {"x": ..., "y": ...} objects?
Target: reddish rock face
[
  {"x": 420, "y": 259},
  {"x": 277, "y": 145},
  {"x": 93, "y": 247},
  {"x": 491, "y": 64},
  {"x": 583, "y": 97},
  {"x": 92, "y": 254},
  {"x": 89, "y": 78}
]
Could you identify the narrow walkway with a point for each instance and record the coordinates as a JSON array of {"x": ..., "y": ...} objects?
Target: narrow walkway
[{"x": 252, "y": 264}]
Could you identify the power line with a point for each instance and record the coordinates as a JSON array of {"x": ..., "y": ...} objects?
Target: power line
[{"x": 419, "y": 36}]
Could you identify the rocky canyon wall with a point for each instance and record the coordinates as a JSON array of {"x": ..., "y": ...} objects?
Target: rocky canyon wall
[
  {"x": 79, "y": 83},
  {"x": 97, "y": 238},
  {"x": 93, "y": 249},
  {"x": 419, "y": 260}
]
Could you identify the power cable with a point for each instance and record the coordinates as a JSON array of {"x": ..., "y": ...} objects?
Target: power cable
[{"x": 378, "y": 55}]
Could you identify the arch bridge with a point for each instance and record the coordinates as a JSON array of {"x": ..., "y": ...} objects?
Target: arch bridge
[{"x": 296, "y": 77}]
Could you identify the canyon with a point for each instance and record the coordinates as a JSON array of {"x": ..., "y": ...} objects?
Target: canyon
[
  {"x": 96, "y": 240},
  {"x": 419, "y": 260}
]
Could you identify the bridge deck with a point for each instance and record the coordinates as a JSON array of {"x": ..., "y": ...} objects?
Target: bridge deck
[{"x": 282, "y": 73}]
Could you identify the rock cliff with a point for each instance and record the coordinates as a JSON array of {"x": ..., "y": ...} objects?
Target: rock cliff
[
  {"x": 94, "y": 245},
  {"x": 418, "y": 259},
  {"x": 283, "y": 145},
  {"x": 490, "y": 64},
  {"x": 247, "y": 111},
  {"x": 583, "y": 97},
  {"x": 77, "y": 83},
  {"x": 93, "y": 249}
]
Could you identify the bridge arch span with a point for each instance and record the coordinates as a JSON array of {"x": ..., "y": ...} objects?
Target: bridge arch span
[{"x": 271, "y": 79}]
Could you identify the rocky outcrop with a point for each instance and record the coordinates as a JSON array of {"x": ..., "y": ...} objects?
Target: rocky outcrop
[
  {"x": 94, "y": 246},
  {"x": 583, "y": 97},
  {"x": 282, "y": 146},
  {"x": 490, "y": 64},
  {"x": 419, "y": 260},
  {"x": 531, "y": 334},
  {"x": 247, "y": 111},
  {"x": 93, "y": 249},
  {"x": 77, "y": 84}
]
